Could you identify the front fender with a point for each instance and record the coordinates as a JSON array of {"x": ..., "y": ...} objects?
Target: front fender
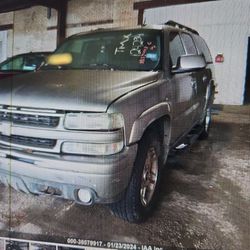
[{"x": 146, "y": 118}]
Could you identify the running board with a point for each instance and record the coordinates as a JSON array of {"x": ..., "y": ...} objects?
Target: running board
[{"x": 189, "y": 139}]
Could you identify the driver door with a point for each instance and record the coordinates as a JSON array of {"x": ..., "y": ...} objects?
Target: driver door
[{"x": 182, "y": 84}]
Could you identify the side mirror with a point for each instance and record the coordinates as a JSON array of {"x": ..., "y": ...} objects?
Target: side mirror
[{"x": 189, "y": 63}]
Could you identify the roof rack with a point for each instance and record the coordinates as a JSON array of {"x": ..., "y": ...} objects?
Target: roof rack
[{"x": 181, "y": 26}]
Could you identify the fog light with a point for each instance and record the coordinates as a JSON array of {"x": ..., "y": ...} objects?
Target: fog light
[{"x": 84, "y": 195}]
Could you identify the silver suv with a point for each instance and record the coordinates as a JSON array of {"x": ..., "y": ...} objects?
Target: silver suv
[{"x": 96, "y": 123}]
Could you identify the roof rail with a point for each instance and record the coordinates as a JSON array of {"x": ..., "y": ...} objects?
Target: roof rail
[{"x": 181, "y": 26}]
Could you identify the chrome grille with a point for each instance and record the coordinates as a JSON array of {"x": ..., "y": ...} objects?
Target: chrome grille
[
  {"x": 28, "y": 141},
  {"x": 31, "y": 128},
  {"x": 30, "y": 119}
]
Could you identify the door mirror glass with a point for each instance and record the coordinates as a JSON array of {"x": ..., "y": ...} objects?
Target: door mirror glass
[{"x": 188, "y": 63}]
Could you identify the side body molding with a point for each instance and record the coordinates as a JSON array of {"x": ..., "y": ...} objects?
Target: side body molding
[{"x": 146, "y": 118}]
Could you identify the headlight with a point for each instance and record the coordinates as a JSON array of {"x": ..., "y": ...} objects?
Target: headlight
[
  {"x": 92, "y": 148},
  {"x": 105, "y": 133},
  {"x": 93, "y": 121}
]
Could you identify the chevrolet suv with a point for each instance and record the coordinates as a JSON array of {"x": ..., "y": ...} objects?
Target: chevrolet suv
[{"x": 96, "y": 123}]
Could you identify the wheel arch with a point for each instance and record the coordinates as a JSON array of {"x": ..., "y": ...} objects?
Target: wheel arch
[{"x": 157, "y": 118}]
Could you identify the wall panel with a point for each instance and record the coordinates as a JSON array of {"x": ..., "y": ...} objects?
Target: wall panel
[{"x": 225, "y": 25}]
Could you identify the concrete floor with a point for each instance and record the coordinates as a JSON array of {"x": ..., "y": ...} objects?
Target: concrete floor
[{"x": 205, "y": 199}]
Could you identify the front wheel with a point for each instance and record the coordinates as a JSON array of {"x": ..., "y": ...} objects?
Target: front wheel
[{"x": 143, "y": 189}]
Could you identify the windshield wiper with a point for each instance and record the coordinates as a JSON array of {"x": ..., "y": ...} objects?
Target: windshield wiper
[
  {"x": 84, "y": 66},
  {"x": 102, "y": 66}
]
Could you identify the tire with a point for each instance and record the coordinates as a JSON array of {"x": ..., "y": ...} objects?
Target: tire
[
  {"x": 206, "y": 124},
  {"x": 139, "y": 200}
]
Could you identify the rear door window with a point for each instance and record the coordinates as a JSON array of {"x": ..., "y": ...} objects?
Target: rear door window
[
  {"x": 189, "y": 44},
  {"x": 203, "y": 49}
]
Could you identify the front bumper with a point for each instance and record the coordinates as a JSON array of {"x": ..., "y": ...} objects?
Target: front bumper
[{"x": 104, "y": 177}]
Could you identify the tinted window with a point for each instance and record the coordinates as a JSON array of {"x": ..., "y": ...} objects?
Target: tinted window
[
  {"x": 189, "y": 44},
  {"x": 26, "y": 62},
  {"x": 13, "y": 64},
  {"x": 203, "y": 49},
  {"x": 176, "y": 48}
]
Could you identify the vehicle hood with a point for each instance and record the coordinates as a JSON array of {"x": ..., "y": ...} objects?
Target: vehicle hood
[{"x": 76, "y": 90}]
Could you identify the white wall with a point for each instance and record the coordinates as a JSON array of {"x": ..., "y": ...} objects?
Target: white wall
[
  {"x": 3, "y": 45},
  {"x": 7, "y": 18},
  {"x": 225, "y": 25}
]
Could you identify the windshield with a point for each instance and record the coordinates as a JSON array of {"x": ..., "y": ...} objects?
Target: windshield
[
  {"x": 117, "y": 50},
  {"x": 27, "y": 62}
]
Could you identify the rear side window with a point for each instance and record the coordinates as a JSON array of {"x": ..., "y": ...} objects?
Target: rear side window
[
  {"x": 189, "y": 44},
  {"x": 203, "y": 49},
  {"x": 176, "y": 48},
  {"x": 13, "y": 64}
]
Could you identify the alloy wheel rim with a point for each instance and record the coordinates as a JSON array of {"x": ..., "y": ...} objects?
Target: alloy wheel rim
[{"x": 149, "y": 177}]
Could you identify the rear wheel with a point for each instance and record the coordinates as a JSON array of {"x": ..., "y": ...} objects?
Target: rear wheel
[{"x": 142, "y": 192}]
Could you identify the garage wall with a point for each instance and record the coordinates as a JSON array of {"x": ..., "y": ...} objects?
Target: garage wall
[
  {"x": 30, "y": 30},
  {"x": 82, "y": 12},
  {"x": 34, "y": 31},
  {"x": 3, "y": 45},
  {"x": 8, "y": 19},
  {"x": 225, "y": 25}
]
